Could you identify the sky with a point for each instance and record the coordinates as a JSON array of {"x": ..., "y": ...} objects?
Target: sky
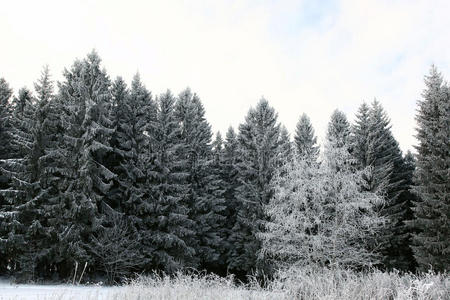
[{"x": 303, "y": 56}]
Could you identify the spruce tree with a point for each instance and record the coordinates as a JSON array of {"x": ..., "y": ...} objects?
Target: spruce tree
[
  {"x": 361, "y": 133},
  {"x": 305, "y": 140},
  {"x": 286, "y": 150},
  {"x": 21, "y": 170},
  {"x": 5, "y": 153},
  {"x": 230, "y": 179},
  {"x": 204, "y": 196},
  {"x": 374, "y": 146},
  {"x": 86, "y": 99},
  {"x": 431, "y": 243},
  {"x": 170, "y": 228},
  {"x": 258, "y": 158},
  {"x": 338, "y": 138}
]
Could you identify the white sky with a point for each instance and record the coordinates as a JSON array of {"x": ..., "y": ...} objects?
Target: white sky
[{"x": 303, "y": 56}]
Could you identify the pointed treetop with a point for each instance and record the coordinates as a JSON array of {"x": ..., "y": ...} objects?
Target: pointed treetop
[
  {"x": 305, "y": 140},
  {"x": 5, "y": 92},
  {"x": 338, "y": 130},
  {"x": 231, "y": 134},
  {"x": 44, "y": 86},
  {"x": 217, "y": 144}
]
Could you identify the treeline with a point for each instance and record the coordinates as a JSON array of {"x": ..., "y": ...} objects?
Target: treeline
[{"x": 108, "y": 179}]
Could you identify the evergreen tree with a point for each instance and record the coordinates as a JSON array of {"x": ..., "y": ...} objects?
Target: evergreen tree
[
  {"x": 305, "y": 140},
  {"x": 171, "y": 230},
  {"x": 361, "y": 133},
  {"x": 22, "y": 171},
  {"x": 338, "y": 131},
  {"x": 431, "y": 243},
  {"x": 258, "y": 158},
  {"x": 5, "y": 153},
  {"x": 230, "y": 179},
  {"x": 132, "y": 114},
  {"x": 204, "y": 196},
  {"x": 375, "y": 147},
  {"x": 286, "y": 149},
  {"x": 339, "y": 137},
  {"x": 86, "y": 99}
]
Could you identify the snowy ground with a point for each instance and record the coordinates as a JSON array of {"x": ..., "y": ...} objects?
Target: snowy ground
[{"x": 10, "y": 291}]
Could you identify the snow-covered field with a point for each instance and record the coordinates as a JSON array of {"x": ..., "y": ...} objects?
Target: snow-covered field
[
  {"x": 297, "y": 284},
  {"x": 10, "y": 291}
]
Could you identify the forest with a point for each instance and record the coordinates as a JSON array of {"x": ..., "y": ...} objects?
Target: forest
[{"x": 101, "y": 179}]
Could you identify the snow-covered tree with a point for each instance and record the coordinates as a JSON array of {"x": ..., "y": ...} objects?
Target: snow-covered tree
[
  {"x": 22, "y": 171},
  {"x": 5, "y": 152},
  {"x": 320, "y": 216},
  {"x": 431, "y": 243},
  {"x": 339, "y": 137},
  {"x": 286, "y": 150},
  {"x": 258, "y": 158},
  {"x": 165, "y": 219},
  {"x": 85, "y": 98},
  {"x": 305, "y": 140},
  {"x": 204, "y": 199}
]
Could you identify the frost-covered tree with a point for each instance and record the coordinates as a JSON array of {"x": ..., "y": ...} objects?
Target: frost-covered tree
[
  {"x": 286, "y": 150},
  {"x": 85, "y": 98},
  {"x": 320, "y": 216},
  {"x": 258, "y": 158},
  {"x": 204, "y": 196},
  {"x": 305, "y": 140},
  {"x": 431, "y": 243},
  {"x": 5, "y": 152},
  {"x": 169, "y": 229},
  {"x": 339, "y": 137},
  {"x": 22, "y": 171}
]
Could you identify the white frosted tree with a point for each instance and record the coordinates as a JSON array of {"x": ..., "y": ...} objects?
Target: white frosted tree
[{"x": 321, "y": 216}]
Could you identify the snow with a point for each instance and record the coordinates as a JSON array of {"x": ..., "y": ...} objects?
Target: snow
[{"x": 10, "y": 291}]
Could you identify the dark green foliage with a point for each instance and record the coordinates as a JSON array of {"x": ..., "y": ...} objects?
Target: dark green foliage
[
  {"x": 169, "y": 230},
  {"x": 228, "y": 158},
  {"x": 305, "y": 141},
  {"x": 258, "y": 157},
  {"x": 431, "y": 242},
  {"x": 204, "y": 196},
  {"x": 374, "y": 146}
]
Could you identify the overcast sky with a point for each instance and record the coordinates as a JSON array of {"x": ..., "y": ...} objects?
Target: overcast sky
[{"x": 303, "y": 56}]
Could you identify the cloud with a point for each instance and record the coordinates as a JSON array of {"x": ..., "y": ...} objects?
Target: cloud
[{"x": 301, "y": 56}]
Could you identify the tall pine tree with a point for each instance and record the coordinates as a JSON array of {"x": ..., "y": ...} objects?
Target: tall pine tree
[
  {"x": 431, "y": 243},
  {"x": 258, "y": 158},
  {"x": 204, "y": 196},
  {"x": 375, "y": 146},
  {"x": 5, "y": 153},
  {"x": 86, "y": 99},
  {"x": 168, "y": 227}
]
